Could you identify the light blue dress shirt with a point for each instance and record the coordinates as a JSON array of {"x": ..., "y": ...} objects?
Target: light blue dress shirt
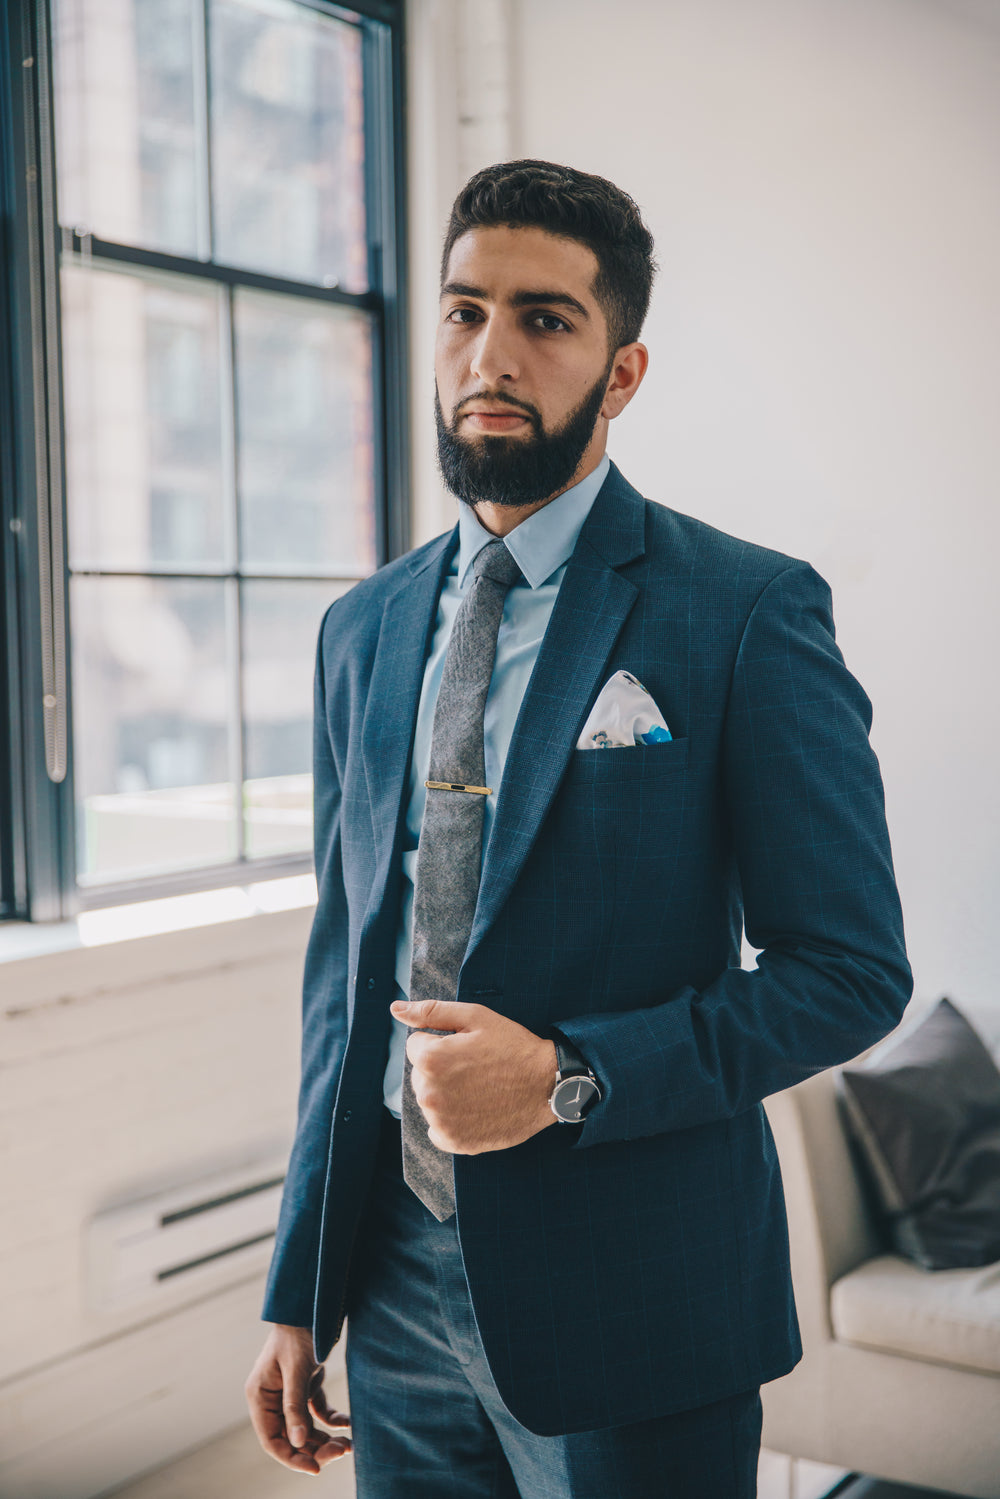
[{"x": 541, "y": 547}]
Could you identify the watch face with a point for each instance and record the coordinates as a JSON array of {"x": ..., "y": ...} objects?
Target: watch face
[{"x": 572, "y": 1098}]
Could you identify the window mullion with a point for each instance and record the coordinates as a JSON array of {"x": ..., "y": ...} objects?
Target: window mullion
[
  {"x": 234, "y": 630},
  {"x": 384, "y": 193},
  {"x": 230, "y": 466},
  {"x": 42, "y": 793},
  {"x": 227, "y": 411},
  {"x": 203, "y": 132}
]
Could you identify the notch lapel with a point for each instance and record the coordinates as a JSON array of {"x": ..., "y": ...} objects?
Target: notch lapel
[
  {"x": 592, "y": 605},
  {"x": 390, "y": 719}
]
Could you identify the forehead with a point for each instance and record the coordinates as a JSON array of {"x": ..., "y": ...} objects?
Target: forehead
[{"x": 502, "y": 260}]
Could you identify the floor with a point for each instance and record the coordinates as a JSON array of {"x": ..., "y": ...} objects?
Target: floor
[{"x": 234, "y": 1467}]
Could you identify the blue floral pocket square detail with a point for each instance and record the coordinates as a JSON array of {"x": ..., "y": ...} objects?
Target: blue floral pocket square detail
[{"x": 623, "y": 715}]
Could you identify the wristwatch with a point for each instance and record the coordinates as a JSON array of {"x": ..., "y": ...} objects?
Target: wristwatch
[{"x": 576, "y": 1089}]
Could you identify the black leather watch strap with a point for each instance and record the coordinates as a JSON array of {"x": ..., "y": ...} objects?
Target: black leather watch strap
[{"x": 568, "y": 1060}]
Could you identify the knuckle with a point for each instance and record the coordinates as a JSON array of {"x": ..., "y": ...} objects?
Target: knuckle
[
  {"x": 428, "y": 1066},
  {"x": 433, "y": 1062}
]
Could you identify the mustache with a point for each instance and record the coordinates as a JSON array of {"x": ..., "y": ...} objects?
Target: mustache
[{"x": 523, "y": 408}]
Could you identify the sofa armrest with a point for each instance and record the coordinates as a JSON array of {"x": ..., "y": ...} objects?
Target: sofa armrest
[{"x": 829, "y": 1222}]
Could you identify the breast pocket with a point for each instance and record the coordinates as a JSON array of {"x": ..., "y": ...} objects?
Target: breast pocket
[
  {"x": 628, "y": 765},
  {"x": 630, "y": 796},
  {"x": 617, "y": 831}
]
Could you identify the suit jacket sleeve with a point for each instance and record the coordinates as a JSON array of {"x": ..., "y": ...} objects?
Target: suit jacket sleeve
[
  {"x": 292, "y": 1278},
  {"x": 805, "y": 804}
]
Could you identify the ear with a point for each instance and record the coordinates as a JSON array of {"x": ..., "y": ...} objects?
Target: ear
[{"x": 630, "y": 364}]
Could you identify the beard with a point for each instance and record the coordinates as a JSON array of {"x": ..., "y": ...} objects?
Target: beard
[{"x": 498, "y": 470}]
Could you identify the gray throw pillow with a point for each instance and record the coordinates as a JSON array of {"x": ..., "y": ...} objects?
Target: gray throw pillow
[{"x": 925, "y": 1114}]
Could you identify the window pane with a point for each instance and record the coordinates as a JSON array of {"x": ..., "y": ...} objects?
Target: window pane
[
  {"x": 126, "y": 82},
  {"x": 144, "y": 448},
  {"x": 154, "y": 667},
  {"x": 280, "y": 625},
  {"x": 304, "y": 425},
  {"x": 288, "y": 142}
]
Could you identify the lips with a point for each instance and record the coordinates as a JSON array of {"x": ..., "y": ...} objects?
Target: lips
[{"x": 495, "y": 421}]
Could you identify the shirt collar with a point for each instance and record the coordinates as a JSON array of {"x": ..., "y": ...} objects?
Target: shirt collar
[{"x": 543, "y": 542}]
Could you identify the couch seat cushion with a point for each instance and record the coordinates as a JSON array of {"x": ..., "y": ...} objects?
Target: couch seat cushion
[{"x": 946, "y": 1316}]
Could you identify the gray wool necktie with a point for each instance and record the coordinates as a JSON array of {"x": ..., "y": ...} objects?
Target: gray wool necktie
[{"x": 449, "y": 853}]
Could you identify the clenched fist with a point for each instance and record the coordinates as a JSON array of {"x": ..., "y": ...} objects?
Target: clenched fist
[{"x": 483, "y": 1086}]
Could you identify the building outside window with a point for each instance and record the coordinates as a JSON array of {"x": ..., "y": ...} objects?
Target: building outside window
[{"x": 221, "y": 371}]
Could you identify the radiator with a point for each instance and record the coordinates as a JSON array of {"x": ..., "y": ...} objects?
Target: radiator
[{"x": 215, "y": 1230}]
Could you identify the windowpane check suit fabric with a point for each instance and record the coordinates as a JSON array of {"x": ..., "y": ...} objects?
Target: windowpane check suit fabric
[
  {"x": 428, "y": 1423},
  {"x": 449, "y": 854},
  {"x": 614, "y": 891}
]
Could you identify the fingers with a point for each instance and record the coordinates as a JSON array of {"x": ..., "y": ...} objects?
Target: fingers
[
  {"x": 336, "y": 1443},
  {"x": 268, "y": 1418},
  {"x": 298, "y": 1423},
  {"x": 441, "y": 1141},
  {"x": 337, "y": 1420},
  {"x": 420, "y": 1050},
  {"x": 284, "y": 1392},
  {"x": 330, "y": 1449},
  {"x": 327, "y": 1446},
  {"x": 318, "y": 1403},
  {"x": 436, "y": 1014},
  {"x": 433, "y": 1051}
]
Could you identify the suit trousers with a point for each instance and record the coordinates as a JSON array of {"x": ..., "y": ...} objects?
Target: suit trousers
[{"x": 428, "y": 1422}]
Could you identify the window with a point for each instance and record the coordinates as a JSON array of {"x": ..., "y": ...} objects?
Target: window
[{"x": 202, "y": 422}]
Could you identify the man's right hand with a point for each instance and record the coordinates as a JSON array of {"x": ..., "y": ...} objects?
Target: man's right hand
[{"x": 285, "y": 1394}]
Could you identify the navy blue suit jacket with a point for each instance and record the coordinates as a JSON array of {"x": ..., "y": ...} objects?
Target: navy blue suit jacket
[{"x": 637, "y": 1264}]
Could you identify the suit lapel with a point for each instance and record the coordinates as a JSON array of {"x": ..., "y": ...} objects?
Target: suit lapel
[
  {"x": 592, "y": 605},
  {"x": 405, "y": 635}
]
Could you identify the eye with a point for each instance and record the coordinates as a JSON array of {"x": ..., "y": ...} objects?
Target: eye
[
  {"x": 547, "y": 319},
  {"x": 457, "y": 315}
]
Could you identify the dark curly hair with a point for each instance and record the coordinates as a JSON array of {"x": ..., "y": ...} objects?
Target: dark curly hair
[{"x": 574, "y": 205}]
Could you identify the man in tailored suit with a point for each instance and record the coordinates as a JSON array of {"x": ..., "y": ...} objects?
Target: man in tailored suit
[{"x": 600, "y": 1284}]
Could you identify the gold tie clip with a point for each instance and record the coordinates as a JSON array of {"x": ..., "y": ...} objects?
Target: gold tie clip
[{"x": 456, "y": 786}]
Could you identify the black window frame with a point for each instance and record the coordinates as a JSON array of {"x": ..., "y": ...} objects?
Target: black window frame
[{"x": 38, "y": 879}]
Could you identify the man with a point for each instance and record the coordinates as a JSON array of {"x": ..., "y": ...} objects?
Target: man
[{"x": 563, "y": 755}]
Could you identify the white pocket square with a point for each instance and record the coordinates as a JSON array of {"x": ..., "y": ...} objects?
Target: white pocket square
[{"x": 624, "y": 714}]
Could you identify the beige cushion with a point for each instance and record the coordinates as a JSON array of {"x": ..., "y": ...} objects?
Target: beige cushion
[{"x": 945, "y": 1316}]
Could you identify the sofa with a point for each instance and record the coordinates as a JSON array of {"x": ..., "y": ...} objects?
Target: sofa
[{"x": 900, "y": 1377}]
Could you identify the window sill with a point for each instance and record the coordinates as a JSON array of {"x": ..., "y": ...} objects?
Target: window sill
[{"x": 99, "y": 928}]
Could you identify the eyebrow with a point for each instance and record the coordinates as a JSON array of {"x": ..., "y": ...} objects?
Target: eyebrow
[{"x": 519, "y": 299}]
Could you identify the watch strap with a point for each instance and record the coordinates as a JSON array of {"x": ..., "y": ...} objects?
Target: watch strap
[{"x": 568, "y": 1060}]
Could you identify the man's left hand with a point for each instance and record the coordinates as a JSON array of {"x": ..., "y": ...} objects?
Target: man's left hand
[{"x": 483, "y": 1086}]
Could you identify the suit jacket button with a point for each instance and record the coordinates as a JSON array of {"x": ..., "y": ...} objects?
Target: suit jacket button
[
  {"x": 371, "y": 983},
  {"x": 346, "y": 1115}
]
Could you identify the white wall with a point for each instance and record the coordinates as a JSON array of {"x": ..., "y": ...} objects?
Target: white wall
[
  {"x": 125, "y": 1070},
  {"x": 820, "y": 177}
]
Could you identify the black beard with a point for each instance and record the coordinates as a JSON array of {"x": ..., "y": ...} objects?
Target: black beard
[{"x": 499, "y": 470}]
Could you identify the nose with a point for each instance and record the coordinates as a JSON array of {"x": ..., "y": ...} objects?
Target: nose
[{"x": 494, "y": 357}]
